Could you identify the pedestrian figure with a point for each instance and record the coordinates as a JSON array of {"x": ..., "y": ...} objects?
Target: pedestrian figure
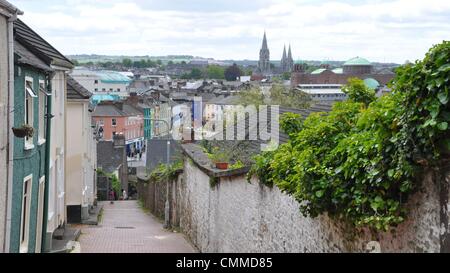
[
  {"x": 124, "y": 194},
  {"x": 112, "y": 196}
]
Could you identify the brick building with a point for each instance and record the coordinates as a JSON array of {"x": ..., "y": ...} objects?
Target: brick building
[{"x": 356, "y": 67}]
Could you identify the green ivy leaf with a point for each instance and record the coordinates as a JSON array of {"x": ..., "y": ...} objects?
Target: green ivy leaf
[
  {"x": 443, "y": 126},
  {"x": 443, "y": 97}
]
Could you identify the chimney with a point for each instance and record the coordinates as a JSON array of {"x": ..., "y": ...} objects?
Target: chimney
[{"x": 119, "y": 141}]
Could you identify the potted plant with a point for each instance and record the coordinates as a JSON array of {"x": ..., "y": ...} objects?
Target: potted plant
[
  {"x": 221, "y": 159},
  {"x": 24, "y": 131}
]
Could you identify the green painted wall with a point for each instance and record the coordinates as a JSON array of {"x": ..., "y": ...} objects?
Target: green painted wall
[
  {"x": 147, "y": 123},
  {"x": 26, "y": 162}
]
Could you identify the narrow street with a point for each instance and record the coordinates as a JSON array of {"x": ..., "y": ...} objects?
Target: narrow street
[{"x": 125, "y": 228}]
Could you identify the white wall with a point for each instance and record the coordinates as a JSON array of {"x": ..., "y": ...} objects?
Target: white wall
[
  {"x": 57, "y": 207},
  {"x": 81, "y": 157},
  {"x": 236, "y": 216},
  {"x": 88, "y": 82}
]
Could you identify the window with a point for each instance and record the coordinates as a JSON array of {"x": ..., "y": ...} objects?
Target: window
[
  {"x": 110, "y": 89},
  {"x": 42, "y": 107},
  {"x": 101, "y": 123},
  {"x": 25, "y": 220},
  {"x": 29, "y": 95},
  {"x": 96, "y": 89},
  {"x": 114, "y": 122},
  {"x": 103, "y": 89},
  {"x": 96, "y": 82},
  {"x": 118, "y": 89}
]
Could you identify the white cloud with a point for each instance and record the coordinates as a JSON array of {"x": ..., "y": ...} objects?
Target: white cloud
[{"x": 378, "y": 30}]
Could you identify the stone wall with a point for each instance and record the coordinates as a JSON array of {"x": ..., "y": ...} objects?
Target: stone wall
[{"x": 237, "y": 216}]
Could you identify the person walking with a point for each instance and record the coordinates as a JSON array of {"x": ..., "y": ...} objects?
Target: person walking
[
  {"x": 112, "y": 196},
  {"x": 124, "y": 194}
]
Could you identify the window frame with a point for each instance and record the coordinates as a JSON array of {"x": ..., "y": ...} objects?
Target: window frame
[
  {"x": 114, "y": 122},
  {"x": 24, "y": 238},
  {"x": 29, "y": 110}
]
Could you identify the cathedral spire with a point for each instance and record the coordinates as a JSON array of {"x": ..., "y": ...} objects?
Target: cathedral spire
[
  {"x": 290, "y": 53},
  {"x": 290, "y": 60},
  {"x": 264, "y": 57},
  {"x": 264, "y": 44}
]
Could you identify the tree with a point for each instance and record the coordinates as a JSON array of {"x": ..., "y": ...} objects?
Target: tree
[
  {"x": 232, "y": 73},
  {"x": 287, "y": 97},
  {"x": 159, "y": 62},
  {"x": 183, "y": 62},
  {"x": 357, "y": 91},
  {"x": 215, "y": 72},
  {"x": 127, "y": 62},
  {"x": 170, "y": 63},
  {"x": 253, "y": 96},
  {"x": 196, "y": 74},
  {"x": 75, "y": 62},
  {"x": 286, "y": 76}
]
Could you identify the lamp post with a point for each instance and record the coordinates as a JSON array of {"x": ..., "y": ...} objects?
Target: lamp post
[{"x": 167, "y": 204}]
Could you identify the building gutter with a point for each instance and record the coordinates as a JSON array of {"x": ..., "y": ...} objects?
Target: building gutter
[
  {"x": 10, "y": 145},
  {"x": 48, "y": 117}
]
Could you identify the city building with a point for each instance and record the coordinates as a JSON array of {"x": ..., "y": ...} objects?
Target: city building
[
  {"x": 287, "y": 62},
  {"x": 56, "y": 107},
  {"x": 112, "y": 158},
  {"x": 355, "y": 67},
  {"x": 121, "y": 118},
  {"x": 103, "y": 82},
  {"x": 264, "y": 58},
  {"x": 81, "y": 157},
  {"x": 8, "y": 14},
  {"x": 323, "y": 92}
]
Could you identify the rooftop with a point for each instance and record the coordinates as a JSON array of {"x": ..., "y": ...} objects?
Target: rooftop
[
  {"x": 357, "y": 61},
  {"x": 76, "y": 90},
  {"x": 40, "y": 47}
]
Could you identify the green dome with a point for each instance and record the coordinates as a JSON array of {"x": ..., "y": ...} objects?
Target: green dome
[
  {"x": 357, "y": 61},
  {"x": 371, "y": 83},
  {"x": 299, "y": 62}
]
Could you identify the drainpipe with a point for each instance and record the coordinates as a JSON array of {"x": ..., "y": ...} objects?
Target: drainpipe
[
  {"x": 10, "y": 145},
  {"x": 48, "y": 117}
]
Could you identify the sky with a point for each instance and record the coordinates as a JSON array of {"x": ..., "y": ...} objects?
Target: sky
[{"x": 379, "y": 30}]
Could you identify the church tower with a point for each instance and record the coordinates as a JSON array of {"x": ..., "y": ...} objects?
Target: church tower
[
  {"x": 284, "y": 61},
  {"x": 289, "y": 61},
  {"x": 264, "y": 57}
]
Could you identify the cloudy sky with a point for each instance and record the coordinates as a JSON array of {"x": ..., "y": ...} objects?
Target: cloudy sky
[{"x": 379, "y": 30}]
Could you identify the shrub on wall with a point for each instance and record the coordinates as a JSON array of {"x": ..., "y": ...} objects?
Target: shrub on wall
[{"x": 358, "y": 163}]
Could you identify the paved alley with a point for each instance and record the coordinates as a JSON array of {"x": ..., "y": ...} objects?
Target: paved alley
[{"x": 125, "y": 228}]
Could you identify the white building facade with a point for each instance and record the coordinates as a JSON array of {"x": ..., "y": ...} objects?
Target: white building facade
[{"x": 81, "y": 157}]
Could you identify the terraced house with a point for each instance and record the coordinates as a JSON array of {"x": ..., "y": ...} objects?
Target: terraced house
[
  {"x": 8, "y": 14},
  {"x": 36, "y": 187}
]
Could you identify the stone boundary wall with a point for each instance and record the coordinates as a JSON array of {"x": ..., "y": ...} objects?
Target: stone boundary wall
[{"x": 237, "y": 216}]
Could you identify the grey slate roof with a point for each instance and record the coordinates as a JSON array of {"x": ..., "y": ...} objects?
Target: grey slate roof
[
  {"x": 247, "y": 147},
  {"x": 113, "y": 110},
  {"x": 41, "y": 48},
  {"x": 24, "y": 56},
  {"x": 109, "y": 158},
  {"x": 76, "y": 90}
]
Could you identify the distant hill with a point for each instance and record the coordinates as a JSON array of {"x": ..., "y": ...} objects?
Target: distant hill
[{"x": 85, "y": 58}]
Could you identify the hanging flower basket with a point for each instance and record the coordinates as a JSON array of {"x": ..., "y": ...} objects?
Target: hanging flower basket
[{"x": 24, "y": 131}]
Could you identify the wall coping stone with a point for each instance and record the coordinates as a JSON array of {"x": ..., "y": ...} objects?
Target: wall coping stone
[{"x": 201, "y": 160}]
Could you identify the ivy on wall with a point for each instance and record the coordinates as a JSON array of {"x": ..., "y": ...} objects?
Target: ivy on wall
[{"x": 358, "y": 163}]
